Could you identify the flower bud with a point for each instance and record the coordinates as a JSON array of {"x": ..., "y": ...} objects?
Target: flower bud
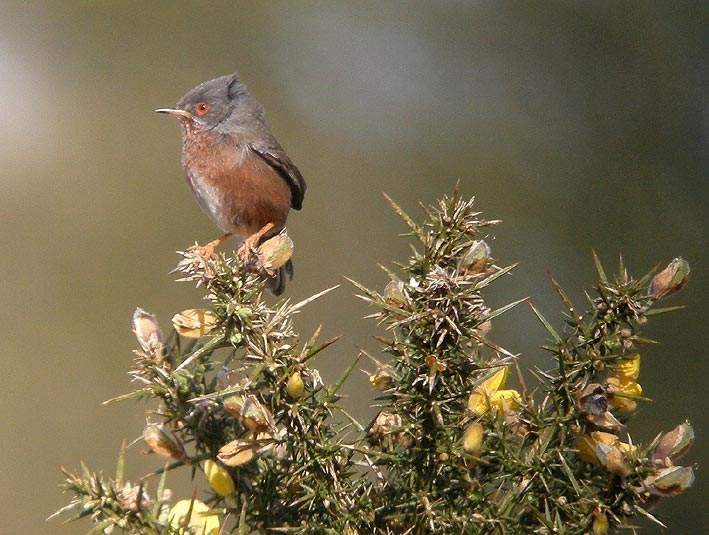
[
  {"x": 147, "y": 331},
  {"x": 295, "y": 385},
  {"x": 161, "y": 443},
  {"x": 475, "y": 259},
  {"x": 473, "y": 439},
  {"x": 670, "y": 279},
  {"x": 672, "y": 444},
  {"x": 219, "y": 478}
]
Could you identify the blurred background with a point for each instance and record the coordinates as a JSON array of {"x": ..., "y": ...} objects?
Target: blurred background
[{"x": 580, "y": 124}]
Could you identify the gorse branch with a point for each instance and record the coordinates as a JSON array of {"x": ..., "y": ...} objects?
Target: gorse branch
[{"x": 453, "y": 449}]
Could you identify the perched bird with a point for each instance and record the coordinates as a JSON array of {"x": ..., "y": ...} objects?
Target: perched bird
[{"x": 238, "y": 173}]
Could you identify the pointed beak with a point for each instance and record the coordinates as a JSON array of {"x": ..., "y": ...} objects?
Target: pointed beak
[{"x": 174, "y": 111}]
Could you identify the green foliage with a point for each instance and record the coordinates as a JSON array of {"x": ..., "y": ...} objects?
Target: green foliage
[{"x": 452, "y": 450}]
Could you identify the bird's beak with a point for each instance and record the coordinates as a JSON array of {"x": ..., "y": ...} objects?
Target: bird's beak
[{"x": 174, "y": 111}]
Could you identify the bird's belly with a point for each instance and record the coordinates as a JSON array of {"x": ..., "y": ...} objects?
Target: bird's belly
[{"x": 212, "y": 203}]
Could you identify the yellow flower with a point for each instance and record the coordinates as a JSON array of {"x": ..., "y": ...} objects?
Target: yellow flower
[
  {"x": 488, "y": 394},
  {"x": 621, "y": 380},
  {"x": 598, "y": 447},
  {"x": 600, "y": 524},
  {"x": 219, "y": 478},
  {"x": 621, "y": 403},
  {"x": 505, "y": 400},
  {"x": 200, "y": 519},
  {"x": 627, "y": 369}
]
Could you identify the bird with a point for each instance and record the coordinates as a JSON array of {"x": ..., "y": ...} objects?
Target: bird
[{"x": 237, "y": 172}]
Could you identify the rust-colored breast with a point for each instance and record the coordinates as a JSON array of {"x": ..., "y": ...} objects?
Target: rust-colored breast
[{"x": 239, "y": 190}]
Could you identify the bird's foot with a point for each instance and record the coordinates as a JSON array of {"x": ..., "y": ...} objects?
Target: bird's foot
[
  {"x": 248, "y": 248},
  {"x": 207, "y": 250}
]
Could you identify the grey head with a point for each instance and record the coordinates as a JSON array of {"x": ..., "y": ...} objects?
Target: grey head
[{"x": 223, "y": 104}]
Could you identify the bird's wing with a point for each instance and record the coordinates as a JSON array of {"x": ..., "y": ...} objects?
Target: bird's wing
[{"x": 276, "y": 157}]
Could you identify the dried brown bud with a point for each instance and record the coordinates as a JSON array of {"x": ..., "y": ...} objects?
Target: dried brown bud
[
  {"x": 670, "y": 481},
  {"x": 484, "y": 328},
  {"x": 670, "y": 279},
  {"x": 383, "y": 424},
  {"x": 147, "y": 331},
  {"x": 163, "y": 444},
  {"x": 274, "y": 252},
  {"x": 238, "y": 452},
  {"x": 194, "y": 322},
  {"x": 394, "y": 293},
  {"x": 673, "y": 444},
  {"x": 592, "y": 400},
  {"x": 475, "y": 259},
  {"x": 381, "y": 380},
  {"x": 233, "y": 404},
  {"x": 255, "y": 416}
]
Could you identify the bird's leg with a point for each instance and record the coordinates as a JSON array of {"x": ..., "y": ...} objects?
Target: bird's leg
[
  {"x": 251, "y": 242},
  {"x": 208, "y": 250}
]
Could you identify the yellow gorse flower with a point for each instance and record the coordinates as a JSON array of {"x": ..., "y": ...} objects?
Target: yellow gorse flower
[
  {"x": 201, "y": 520},
  {"x": 622, "y": 380},
  {"x": 594, "y": 447},
  {"x": 219, "y": 478},
  {"x": 488, "y": 394}
]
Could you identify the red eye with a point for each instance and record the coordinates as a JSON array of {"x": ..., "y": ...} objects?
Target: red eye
[{"x": 201, "y": 108}]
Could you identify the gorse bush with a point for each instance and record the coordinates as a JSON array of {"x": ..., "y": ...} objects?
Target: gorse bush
[{"x": 453, "y": 448}]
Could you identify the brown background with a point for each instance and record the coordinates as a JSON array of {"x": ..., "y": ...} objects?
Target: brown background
[{"x": 580, "y": 124}]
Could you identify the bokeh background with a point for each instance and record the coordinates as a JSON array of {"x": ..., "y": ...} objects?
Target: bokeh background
[{"x": 580, "y": 124}]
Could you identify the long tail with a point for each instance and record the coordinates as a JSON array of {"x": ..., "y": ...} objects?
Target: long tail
[{"x": 277, "y": 284}]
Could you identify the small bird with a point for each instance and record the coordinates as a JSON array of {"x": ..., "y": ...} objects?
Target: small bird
[{"x": 239, "y": 174}]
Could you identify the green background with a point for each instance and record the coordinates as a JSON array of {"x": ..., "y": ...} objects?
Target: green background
[{"x": 580, "y": 124}]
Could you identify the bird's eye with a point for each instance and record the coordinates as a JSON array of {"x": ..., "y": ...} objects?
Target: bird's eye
[{"x": 201, "y": 108}]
